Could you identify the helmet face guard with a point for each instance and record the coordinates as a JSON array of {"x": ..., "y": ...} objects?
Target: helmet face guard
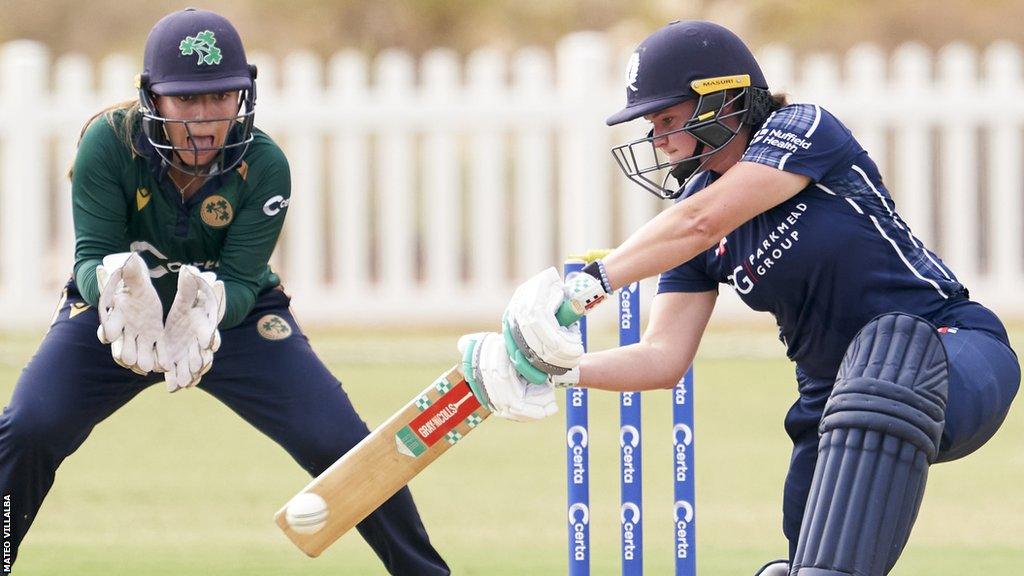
[
  {"x": 229, "y": 154},
  {"x": 642, "y": 162}
]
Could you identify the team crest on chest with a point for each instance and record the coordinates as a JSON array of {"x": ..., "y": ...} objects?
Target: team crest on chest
[
  {"x": 216, "y": 212},
  {"x": 273, "y": 327}
]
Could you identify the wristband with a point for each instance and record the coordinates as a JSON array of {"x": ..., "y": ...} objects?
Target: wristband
[{"x": 596, "y": 269}]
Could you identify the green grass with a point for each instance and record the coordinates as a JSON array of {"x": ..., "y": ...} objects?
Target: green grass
[{"x": 180, "y": 485}]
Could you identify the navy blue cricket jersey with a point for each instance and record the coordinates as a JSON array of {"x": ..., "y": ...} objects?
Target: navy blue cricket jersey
[{"x": 834, "y": 256}]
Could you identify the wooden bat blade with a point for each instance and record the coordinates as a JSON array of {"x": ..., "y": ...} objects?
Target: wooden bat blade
[{"x": 387, "y": 459}]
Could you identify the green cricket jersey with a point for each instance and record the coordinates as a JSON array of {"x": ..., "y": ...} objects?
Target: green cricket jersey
[{"x": 124, "y": 202}]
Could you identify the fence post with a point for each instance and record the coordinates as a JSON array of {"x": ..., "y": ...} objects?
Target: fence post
[
  {"x": 958, "y": 164},
  {"x": 866, "y": 79},
  {"x": 584, "y": 195},
  {"x": 395, "y": 169},
  {"x": 911, "y": 145},
  {"x": 305, "y": 246},
  {"x": 487, "y": 196},
  {"x": 73, "y": 94},
  {"x": 24, "y": 178},
  {"x": 1003, "y": 227},
  {"x": 535, "y": 201},
  {"x": 351, "y": 232},
  {"x": 442, "y": 182}
]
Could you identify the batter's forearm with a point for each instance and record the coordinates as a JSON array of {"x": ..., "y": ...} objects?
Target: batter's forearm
[
  {"x": 671, "y": 238},
  {"x": 627, "y": 368}
]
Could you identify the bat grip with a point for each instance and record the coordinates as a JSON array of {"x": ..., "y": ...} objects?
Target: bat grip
[{"x": 567, "y": 313}]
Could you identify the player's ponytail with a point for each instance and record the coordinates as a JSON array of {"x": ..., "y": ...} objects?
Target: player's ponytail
[{"x": 126, "y": 127}]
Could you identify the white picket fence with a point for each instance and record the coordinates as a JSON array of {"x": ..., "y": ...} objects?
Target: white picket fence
[{"x": 424, "y": 191}]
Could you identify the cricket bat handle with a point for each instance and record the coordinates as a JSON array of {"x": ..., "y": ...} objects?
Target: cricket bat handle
[{"x": 569, "y": 312}]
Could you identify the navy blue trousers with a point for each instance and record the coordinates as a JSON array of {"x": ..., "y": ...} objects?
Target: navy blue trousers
[
  {"x": 984, "y": 376},
  {"x": 265, "y": 371}
]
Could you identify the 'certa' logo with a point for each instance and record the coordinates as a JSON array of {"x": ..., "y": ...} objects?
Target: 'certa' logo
[
  {"x": 275, "y": 204},
  {"x": 573, "y": 432},
  {"x": 630, "y": 513},
  {"x": 687, "y": 433},
  {"x": 629, "y": 440},
  {"x": 629, "y": 517},
  {"x": 165, "y": 267},
  {"x": 579, "y": 519},
  {"x": 684, "y": 519},
  {"x": 579, "y": 514},
  {"x": 631, "y": 433}
]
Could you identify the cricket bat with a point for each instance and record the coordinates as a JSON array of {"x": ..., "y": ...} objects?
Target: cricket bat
[
  {"x": 392, "y": 455},
  {"x": 396, "y": 451}
]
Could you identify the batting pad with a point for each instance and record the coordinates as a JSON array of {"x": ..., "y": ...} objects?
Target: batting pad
[{"x": 879, "y": 433}]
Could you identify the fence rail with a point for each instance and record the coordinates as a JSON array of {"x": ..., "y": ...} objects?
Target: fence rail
[{"x": 423, "y": 191}]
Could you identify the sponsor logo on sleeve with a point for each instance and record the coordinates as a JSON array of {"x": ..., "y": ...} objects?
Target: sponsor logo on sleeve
[
  {"x": 782, "y": 139},
  {"x": 275, "y": 204}
]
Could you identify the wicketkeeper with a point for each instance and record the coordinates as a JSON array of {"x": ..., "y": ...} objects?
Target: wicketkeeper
[{"x": 178, "y": 202}]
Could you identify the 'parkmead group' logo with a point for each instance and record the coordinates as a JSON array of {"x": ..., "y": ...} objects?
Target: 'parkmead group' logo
[
  {"x": 204, "y": 45},
  {"x": 216, "y": 212}
]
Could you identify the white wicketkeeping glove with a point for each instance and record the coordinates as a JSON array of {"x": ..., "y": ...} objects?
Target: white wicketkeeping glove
[
  {"x": 498, "y": 385},
  {"x": 131, "y": 316},
  {"x": 185, "y": 350},
  {"x": 531, "y": 327}
]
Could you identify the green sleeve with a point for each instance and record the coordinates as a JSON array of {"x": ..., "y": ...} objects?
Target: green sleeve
[
  {"x": 253, "y": 234},
  {"x": 98, "y": 203}
]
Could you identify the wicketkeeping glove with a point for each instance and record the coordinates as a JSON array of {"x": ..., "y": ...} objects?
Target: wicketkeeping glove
[
  {"x": 190, "y": 337},
  {"x": 131, "y": 316}
]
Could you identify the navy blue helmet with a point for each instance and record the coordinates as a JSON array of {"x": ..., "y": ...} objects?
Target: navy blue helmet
[
  {"x": 194, "y": 52},
  {"x": 687, "y": 60}
]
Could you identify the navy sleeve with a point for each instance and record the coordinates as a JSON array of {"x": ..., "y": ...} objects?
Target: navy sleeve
[
  {"x": 803, "y": 139},
  {"x": 691, "y": 276}
]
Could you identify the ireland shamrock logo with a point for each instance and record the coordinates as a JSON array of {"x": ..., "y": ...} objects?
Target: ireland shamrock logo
[
  {"x": 218, "y": 210},
  {"x": 273, "y": 327},
  {"x": 204, "y": 45}
]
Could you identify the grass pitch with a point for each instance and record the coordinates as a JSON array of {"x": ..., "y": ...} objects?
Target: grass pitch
[{"x": 180, "y": 485}]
